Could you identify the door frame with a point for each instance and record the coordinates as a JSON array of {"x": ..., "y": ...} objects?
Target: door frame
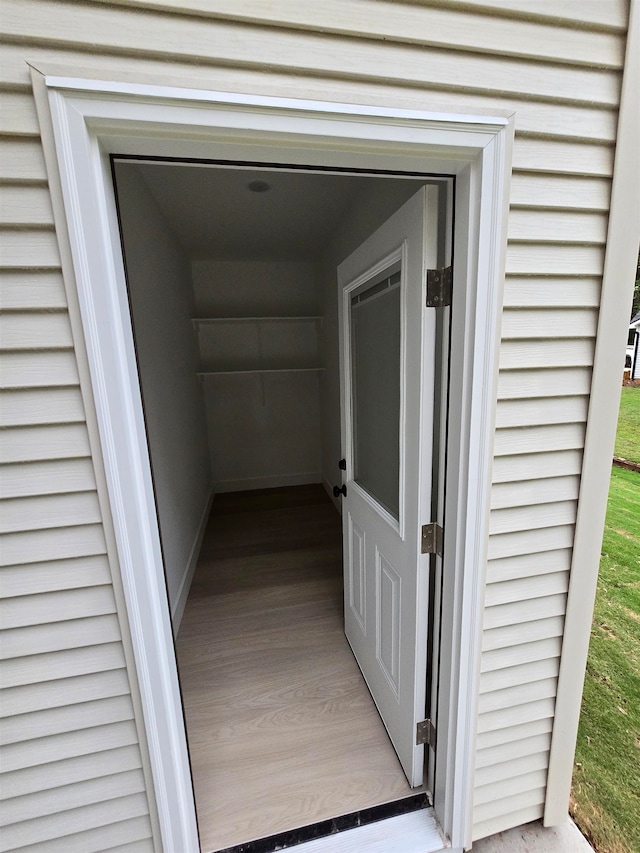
[{"x": 83, "y": 121}]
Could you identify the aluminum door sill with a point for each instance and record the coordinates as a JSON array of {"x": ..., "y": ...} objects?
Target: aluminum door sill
[{"x": 416, "y": 832}]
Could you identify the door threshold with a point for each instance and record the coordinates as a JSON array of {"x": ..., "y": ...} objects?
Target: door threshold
[{"x": 407, "y": 825}]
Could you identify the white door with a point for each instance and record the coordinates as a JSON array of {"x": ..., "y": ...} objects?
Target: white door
[{"x": 387, "y": 349}]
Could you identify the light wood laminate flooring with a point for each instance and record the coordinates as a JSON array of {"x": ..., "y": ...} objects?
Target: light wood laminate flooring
[{"x": 282, "y": 730}]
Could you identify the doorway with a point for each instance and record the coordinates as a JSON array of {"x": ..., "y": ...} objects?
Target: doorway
[
  {"x": 95, "y": 119},
  {"x": 264, "y": 333}
]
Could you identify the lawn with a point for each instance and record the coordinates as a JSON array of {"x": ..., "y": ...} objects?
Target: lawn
[
  {"x": 606, "y": 779},
  {"x": 628, "y": 435}
]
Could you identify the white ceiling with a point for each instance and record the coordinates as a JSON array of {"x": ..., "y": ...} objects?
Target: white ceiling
[{"x": 213, "y": 213}]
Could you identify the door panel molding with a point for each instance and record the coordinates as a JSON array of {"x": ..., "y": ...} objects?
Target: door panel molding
[
  {"x": 388, "y": 603},
  {"x": 91, "y": 118},
  {"x": 357, "y": 579}
]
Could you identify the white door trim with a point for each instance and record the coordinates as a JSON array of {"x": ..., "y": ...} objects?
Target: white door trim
[{"x": 92, "y": 119}]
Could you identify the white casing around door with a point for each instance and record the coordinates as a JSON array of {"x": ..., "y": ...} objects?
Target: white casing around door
[{"x": 386, "y": 578}]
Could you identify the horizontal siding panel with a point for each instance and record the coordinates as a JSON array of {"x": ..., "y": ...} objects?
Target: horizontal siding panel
[
  {"x": 65, "y": 664},
  {"x": 22, "y": 160},
  {"x": 534, "y": 780},
  {"x": 512, "y": 519},
  {"x": 60, "y": 606},
  {"x": 30, "y": 289},
  {"x": 512, "y": 635},
  {"x": 29, "y": 250},
  {"x": 47, "y": 330},
  {"x": 539, "y": 439},
  {"x": 124, "y": 31},
  {"x": 528, "y": 565},
  {"x": 517, "y": 817},
  {"x": 564, "y": 158},
  {"x": 536, "y": 259},
  {"x": 540, "y": 411},
  {"x": 549, "y": 323},
  {"x": 18, "y": 112},
  {"x": 560, "y": 192},
  {"x": 529, "y": 492},
  {"x": 544, "y": 382},
  {"x": 546, "y": 119},
  {"x": 496, "y": 808},
  {"x": 55, "y": 544},
  {"x": 525, "y": 653},
  {"x": 498, "y": 701},
  {"x": 69, "y": 772},
  {"x": 65, "y": 691},
  {"x": 505, "y": 752},
  {"x": 524, "y": 714},
  {"x": 448, "y": 28},
  {"x": 143, "y": 846},
  {"x": 521, "y": 612},
  {"x": 526, "y": 589},
  {"x": 510, "y": 734},
  {"x": 69, "y": 718},
  {"x": 552, "y": 292},
  {"x": 33, "y": 806},
  {"x": 507, "y": 469},
  {"x": 60, "y": 747},
  {"x": 30, "y": 444},
  {"x": 553, "y": 226},
  {"x": 47, "y": 478},
  {"x": 531, "y": 354},
  {"x": 116, "y": 836},
  {"x": 48, "y": 511},
  {"x": 527, "y": 673},
  {"x": 530, "y": 542},
  {"x": 54, "y": 575},
  {"x": 70, "y": 821},
  {"x": 41, "y": 406},
  {"x": 510, "y": 769},
  {"x": 25, "y": 206},
  {"x": 50, "y": 637},
  {"x": 38, "y": 369},
  {"x": 610, "y": 16}
]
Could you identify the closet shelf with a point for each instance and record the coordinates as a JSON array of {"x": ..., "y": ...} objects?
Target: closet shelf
[{"x": 261, "y": 370}]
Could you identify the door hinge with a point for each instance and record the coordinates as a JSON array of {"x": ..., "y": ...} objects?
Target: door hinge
[
  {"x": 439, "y": 287},
  {"x": 432, "y": 539},
  {"x": 426, "y": 733}
]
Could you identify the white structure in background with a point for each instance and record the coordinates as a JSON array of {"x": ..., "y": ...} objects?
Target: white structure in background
[{"x": 632, "y": 356}]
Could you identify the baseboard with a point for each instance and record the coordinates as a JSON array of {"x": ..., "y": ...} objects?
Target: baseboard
[
  {"x": 276, "y": 482},
  {"x": 185, "y": 585},
  {"x": 329, "y": 490}
]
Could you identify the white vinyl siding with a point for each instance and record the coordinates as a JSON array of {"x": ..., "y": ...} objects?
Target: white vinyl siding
[
  {"x": 557, "y": 66},
  {"x": 70, "y": 763}
]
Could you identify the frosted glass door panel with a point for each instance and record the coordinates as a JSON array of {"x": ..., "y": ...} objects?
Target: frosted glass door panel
[{"x": 375, "y": 388}]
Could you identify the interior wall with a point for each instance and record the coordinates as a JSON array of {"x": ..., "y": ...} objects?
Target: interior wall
[
  {"x": 162, "y": 308},
  {"x": 261, "y": 363},
  {"x": 376, "y": 203}
]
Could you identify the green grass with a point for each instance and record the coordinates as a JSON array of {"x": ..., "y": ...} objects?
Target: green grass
[
  {"x": 628, "y": 435},
  {"x": 606, "y": 779}
]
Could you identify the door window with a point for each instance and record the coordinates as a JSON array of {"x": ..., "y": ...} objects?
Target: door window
[{"x": 375, "y": 387}]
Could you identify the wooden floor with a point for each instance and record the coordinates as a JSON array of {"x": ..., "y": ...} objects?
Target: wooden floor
[{"x": 282, "y": 730}]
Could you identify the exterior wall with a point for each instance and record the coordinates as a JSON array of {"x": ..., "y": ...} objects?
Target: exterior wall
[
  {"x": 73, "y": 754},
  {"x": 69, "y": 672}
]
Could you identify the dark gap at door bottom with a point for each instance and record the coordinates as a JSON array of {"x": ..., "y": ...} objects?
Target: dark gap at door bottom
[{"x": 293, "y": 837}]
